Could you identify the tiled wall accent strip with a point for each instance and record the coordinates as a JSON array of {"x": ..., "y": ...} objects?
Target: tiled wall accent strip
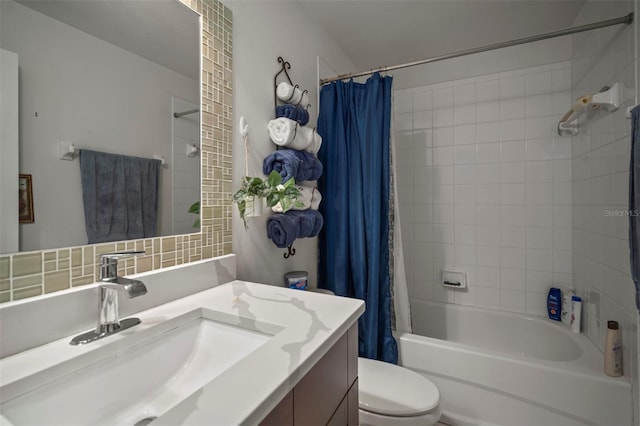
[{"x": 30, "y": 274}]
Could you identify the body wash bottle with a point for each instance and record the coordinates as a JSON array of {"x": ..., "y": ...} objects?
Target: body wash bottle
[{"x": 613, "y": 350}]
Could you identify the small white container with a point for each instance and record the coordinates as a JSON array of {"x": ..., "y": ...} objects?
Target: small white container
[
  {"x": 576, "y": 313},
  {"x": 613, "y": 350},
  {"x": 565, "y": 316}
]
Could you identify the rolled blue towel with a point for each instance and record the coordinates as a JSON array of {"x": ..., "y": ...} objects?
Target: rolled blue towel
[
  {"x": 293, "y": 112},
  {"x": 284, "y": 228},
  {"x": 299, "y": 165}
]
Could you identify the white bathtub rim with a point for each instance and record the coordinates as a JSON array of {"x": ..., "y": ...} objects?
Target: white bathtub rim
[
  {"x": 570, "y": 367},
  {"x": 590, "y": 362}
]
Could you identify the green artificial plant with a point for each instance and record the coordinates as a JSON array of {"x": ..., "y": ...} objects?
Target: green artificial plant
[{"x": 271, "y": 189}]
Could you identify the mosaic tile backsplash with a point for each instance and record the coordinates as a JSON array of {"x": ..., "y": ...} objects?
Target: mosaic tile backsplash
[{"x": 30, "y": 274}]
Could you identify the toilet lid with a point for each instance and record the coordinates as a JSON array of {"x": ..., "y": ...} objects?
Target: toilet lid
[{"x": 387, "y": 389}]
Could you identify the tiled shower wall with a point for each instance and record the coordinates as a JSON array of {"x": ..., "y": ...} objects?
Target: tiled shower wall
[
  {"x": 30, "y": 274},
  {"x": 600, "y": 182},
  {"x": 484, "y": 186}
]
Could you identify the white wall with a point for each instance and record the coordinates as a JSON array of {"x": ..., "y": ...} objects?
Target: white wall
[
  {"x": 600, "y": 182},
  {"x": 264, "y": 30},
  {"x": 8, "y": 151},
  {"x": 485, "y": 187},
  {"x": 109, "y": 100}
]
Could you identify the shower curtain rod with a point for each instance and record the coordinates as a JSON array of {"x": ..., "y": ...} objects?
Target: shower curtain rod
[{"x": 627, "y": 19}]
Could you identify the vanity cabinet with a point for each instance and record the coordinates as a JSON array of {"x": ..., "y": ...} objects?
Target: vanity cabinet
[{"x": 328, "y": 393}]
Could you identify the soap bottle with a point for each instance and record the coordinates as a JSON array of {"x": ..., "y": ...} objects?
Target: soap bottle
[{"x": 613, "y": 350}]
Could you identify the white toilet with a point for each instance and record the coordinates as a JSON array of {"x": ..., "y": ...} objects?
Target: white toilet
[{"x": 390, "y": 395}]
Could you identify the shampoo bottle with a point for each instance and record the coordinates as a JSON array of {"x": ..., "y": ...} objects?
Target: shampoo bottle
[
  {"x": 613, "y": 350},
  {"x": 554, "y": 303}
]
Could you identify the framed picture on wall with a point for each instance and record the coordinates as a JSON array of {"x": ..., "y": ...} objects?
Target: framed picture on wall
[{"x": 25, "y": 204}]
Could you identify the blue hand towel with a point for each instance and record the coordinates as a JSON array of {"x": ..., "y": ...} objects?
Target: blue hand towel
[
  {"x": 299, "y": 165},
  {"x": 293, "y": 112},
  {"x": 284, "y": 228}
]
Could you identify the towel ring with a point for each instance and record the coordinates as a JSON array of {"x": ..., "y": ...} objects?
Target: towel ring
[
  {"x": 293, "y": 92},
  {"x": 290, "y": 252},
  {"x": 302, "y": 96}
]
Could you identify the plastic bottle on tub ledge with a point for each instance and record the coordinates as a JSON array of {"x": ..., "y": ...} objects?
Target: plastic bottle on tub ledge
[
  {"x": 554, "y": 303},
  {"x": 576, "y": 313},
  {"x": 613, "y": 350},
  {"x": 567, "y": 294}
]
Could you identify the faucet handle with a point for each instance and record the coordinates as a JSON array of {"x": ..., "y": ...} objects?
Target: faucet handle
[{"x": 109, "y": 263}]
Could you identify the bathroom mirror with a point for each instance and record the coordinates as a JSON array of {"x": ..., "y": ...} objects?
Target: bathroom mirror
[{"x": 105, "y": 75}]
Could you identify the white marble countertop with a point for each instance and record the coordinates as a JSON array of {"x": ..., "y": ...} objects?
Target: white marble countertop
[{"x": 306, "y": 325}]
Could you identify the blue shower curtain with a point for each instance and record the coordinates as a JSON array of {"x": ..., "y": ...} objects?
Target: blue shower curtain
[{"x": 354, "y": 123}]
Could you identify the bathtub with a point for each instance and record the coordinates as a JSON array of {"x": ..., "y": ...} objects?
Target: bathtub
[{"x": 499, "y": 368}]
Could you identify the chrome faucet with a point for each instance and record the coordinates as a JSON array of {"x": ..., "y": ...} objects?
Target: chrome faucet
[{"x": 110, "y": 284}]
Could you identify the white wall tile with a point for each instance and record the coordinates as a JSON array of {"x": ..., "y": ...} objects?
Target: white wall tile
[
  {"x": 465, "y": 94},
  {"x": 442, "y": 156},
  {"x": 488, "y": 193},
  {"x": 540, "y": 171},
  {"x": 513, "y": 236},
  {"x": 487, "y": 90},
  {"x": 422, "y": 119},
  {"x": 512, "y": 193},
  {"x": 443, "y": 98},
  {"x": 465, "y": 174},
  {"x": 488, "y": 152},
  {"x": 512, "y": 151},
  {"x": 487, "y": 132},
  {"x": 487, "y": 173},
  {"x": 464, "y": 154},
  {"x": 511, "y": 130},
  {"x": 443, "y": 136},
  {"x": 442, "y": 117},
  {"x": 464, "y": 114},
  {"x": 513, "y": 301},
  {"x": 422, "y": 101},
  {"x": 487, "y": 111},
  {"x": 403, "y": 122},
  {"x": 538, "y": 83},
  {"x": 488, "y": 298},
  {"x": 512, "y": 108},
  {"x": 511, "y": 87},
  {"x": 402, "y": 104},
  {"x": 464, "y": 134},
  {"x": 488, "y": 235}
]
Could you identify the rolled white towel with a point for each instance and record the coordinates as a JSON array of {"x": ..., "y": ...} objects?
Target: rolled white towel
[
  {"x": 309, "y": 197},
  {"x": 315, "y": 144},
  {"x": 286, "y": 132},
  {"x": 316, "y": 199},
  {"x": 291, "y": 95}
]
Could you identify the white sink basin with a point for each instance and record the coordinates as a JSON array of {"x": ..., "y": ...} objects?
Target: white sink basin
[{"x": 137, "y": 380}]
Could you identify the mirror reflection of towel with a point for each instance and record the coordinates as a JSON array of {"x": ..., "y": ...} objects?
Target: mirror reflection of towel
[{"x": 120, "y": 195}]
